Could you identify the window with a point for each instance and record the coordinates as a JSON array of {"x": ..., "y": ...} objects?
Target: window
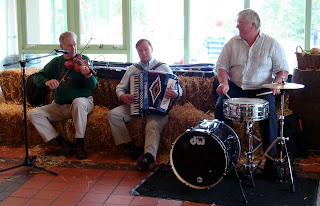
[
  {"x": 315, "y": 24},
  {"x": 162, "y": 23},
  {"x": 275, "y": 22},
  {"x": 46, "y": 20},
  {"x": 101, "y": 20},
  {"x": 116, "y": 25},
  {"x": 108, "y": 57},
  {"x": 211, "y": 27}
]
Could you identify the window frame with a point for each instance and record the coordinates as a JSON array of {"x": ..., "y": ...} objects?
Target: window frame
[
  {"x": 73, "y": 21},
  {"x": 73, "y": 24}
]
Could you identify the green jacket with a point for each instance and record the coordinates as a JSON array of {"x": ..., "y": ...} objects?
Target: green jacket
[{"x": 74, "y": 86}]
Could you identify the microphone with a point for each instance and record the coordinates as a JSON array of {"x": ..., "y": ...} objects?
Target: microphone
[{"x": 63, "y": 51}]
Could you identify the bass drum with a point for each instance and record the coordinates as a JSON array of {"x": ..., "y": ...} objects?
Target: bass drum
[{"x": 203, "y": 155}]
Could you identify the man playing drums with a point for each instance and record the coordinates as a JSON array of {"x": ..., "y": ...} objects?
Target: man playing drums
[{"x": 246, "y": 62}]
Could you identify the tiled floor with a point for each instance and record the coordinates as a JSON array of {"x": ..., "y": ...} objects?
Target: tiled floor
[{"x": 102, "y": 179}]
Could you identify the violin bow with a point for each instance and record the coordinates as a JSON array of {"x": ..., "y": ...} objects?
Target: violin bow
[
  {"x": 86, "y": 45},
  {"x": 64, "y": 76}
]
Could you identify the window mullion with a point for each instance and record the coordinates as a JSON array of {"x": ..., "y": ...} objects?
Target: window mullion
[
  {"x": 187, "y": 31},
  {"x": 307, "y": 26},
  {"x": 127, "y": 28}
]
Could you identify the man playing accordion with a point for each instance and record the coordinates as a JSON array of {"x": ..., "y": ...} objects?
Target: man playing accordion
[{"x": 154, "y": 122}]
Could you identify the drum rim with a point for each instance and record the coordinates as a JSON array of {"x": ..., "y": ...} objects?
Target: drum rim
[
  {"x": 235, "y": 98},
  {"x": 246, "y": 119},
  {"x": 238, "y": 139},
  {"x": 184, "y": 181}
]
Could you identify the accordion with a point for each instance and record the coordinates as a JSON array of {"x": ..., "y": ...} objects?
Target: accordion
[{"x": 148, "y": 89}]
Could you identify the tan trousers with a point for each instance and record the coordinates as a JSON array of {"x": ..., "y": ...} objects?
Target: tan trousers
[
  {"x": 154, "y": 124},
  {"x": 41, "y": 117}
]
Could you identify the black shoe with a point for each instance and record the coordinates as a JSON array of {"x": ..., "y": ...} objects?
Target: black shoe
[
  {"x": 145, "y": 162},
  {"x": 67, "y": 148},
  {"x": 80, "y": 152},
  {"x": 132, "y": 150}
]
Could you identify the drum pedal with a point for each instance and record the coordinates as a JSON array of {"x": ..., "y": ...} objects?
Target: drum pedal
[{"x": 279, "y": 175}]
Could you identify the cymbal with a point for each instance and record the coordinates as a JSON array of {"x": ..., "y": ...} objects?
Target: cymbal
[{"x": 284, "y": 85}]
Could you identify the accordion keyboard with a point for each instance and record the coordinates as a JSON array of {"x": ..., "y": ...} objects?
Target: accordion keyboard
[{"x": 134, "y": 90}]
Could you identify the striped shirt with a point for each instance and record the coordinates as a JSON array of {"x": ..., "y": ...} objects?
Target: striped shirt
[{"x": 251, "y": 67}]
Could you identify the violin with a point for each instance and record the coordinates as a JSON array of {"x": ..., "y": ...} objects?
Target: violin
[{"x": 78, "y": 61}]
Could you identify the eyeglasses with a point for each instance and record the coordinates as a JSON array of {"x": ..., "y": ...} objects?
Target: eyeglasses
[{"x": 241, "y": 23}]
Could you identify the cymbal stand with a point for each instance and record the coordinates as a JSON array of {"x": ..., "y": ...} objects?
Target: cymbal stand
[
  {"x": 28, "y": 160},
  {"x": 284, "y": 150}
]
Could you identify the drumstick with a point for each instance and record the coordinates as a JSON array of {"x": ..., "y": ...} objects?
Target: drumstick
[
  {"x": 264, "y": 93},
  {"x": 227, "y": 95}
]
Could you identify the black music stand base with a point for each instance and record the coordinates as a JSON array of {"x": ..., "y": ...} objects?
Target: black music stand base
[
  {"x": 28, "y": 160},
  {"x": 28, "y": 163}
]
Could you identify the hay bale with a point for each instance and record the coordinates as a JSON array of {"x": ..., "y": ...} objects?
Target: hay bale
[
  {"x": 10, "y": 82},
  {"x": 105, "y": 93},
  {"x": 198, "y": 91},
  {"x": 11, "y": 121},
  {"x": 98, "y": 134},
  {"x": 181, "y": 118}
]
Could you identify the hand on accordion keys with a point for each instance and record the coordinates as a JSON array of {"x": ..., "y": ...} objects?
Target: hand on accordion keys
[
  {"x": 127, "y": 98},
  {"x": 171, "y": 93}
]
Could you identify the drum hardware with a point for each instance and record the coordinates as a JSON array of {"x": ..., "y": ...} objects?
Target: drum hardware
[
  {"x": 247, "y": 110},
  {"x": 250, "y": 166},
  {"x": 240, "y": 185},
  {"x": 284, "y": 155},
  {"x": 162, "y": 171}
]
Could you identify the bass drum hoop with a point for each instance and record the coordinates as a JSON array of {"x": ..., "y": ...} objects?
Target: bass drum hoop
[{"x": 178, "y": 175}]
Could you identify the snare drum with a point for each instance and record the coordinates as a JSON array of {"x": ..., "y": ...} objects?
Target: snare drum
[
  {"x": 246, "y": 109},
  {"x": 203, "y": 155}
]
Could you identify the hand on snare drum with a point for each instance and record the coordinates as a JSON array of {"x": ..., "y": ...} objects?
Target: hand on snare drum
[
  {"x": 127, "y": 98},
  {"x": 222, "y": 89}
]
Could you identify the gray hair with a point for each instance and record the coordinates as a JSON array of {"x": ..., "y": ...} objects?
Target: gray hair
[
  {"x": 67, "y": 34},
  {"x": 251, "y": 16}
]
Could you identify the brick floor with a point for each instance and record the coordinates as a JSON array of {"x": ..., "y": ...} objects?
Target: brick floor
[{"x": 99, "y": 180}]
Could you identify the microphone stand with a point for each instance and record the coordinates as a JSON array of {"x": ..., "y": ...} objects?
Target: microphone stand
[{"x": 28, "y": 160}]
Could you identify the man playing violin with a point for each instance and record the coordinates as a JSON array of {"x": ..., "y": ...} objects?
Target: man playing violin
[{"x": 72, "y": 97}]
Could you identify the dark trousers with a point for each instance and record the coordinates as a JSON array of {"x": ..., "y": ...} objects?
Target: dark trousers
[{"x": 268, "y": 126}]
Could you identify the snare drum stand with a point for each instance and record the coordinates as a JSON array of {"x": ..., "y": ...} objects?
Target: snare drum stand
[
  {"x": 283, "y": 150},
  {"x": 250, "y": 157}
]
